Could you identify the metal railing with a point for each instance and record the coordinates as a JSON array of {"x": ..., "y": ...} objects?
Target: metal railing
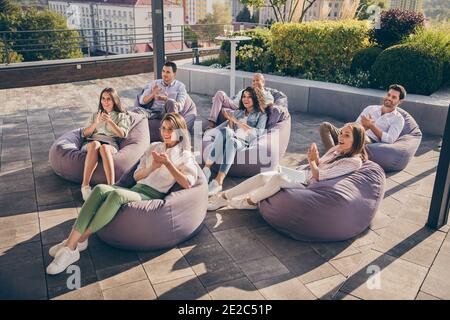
[{"x": 35, "y": 45}]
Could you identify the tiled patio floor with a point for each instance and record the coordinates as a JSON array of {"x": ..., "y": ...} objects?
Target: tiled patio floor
[{"x": 236, "y": 255}]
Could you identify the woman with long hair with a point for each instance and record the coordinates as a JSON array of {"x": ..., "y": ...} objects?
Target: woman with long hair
[
  {"x": 345, "y": 158},
  {"x": 238, "y": 132},
  {"x": 102, "y": 133},
  {"x": 162, "y": 165}
]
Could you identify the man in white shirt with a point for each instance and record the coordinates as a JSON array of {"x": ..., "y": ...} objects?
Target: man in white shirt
[
  {"x": 164, "y": 95},
  {"x": 383, "y": 124},
  {"x": 222, "y": 101}
]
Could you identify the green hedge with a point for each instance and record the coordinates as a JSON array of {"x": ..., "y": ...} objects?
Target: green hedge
[
  {"x": 364, "y": 59},
  {"x": 418, "y": 71},
  {"x": 317, "y": 47}
]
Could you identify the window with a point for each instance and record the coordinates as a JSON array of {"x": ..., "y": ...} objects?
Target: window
[
  {"x": 336, "y": 5},
  {"x": 121, "y": 50},
  {"x": 115, "y": 25},
  {"x": 329, "y": 4},
  {"x": 114, "y": 12},
  {"x": 335, "y": 14},
  {"x": 170, "y": 14},
  {"x": 169, "y": 27}
]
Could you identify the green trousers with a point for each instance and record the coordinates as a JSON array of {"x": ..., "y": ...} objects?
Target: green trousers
[{"x": 105, "y": 201}]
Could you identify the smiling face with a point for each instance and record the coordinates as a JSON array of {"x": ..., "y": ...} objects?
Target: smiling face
[
  {"x": 168, "y": 133},
  {"x": 247, "y": 100},
  {"x": 391, "y": 99},
  {"x": 345, "y": 139},
  {"x": 167, "y": 74},
  {"x": 258, "y": 81},
  {"x": 107, "y": 102}
]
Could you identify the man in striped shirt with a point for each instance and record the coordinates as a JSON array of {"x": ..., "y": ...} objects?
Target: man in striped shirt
[{"x": 382, "y": 123}]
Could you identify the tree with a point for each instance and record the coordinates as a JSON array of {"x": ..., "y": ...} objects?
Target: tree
[
  {"x": 213, "y": 24},
  {"x": 33, "y": 45},
  {"x": 362, "y": 13},
  {"x": 245, "y": 16},
  {"x": 284, "y": 10},
  {"x": 7, "y": 7},
  {"x": 190, "y": 37}
]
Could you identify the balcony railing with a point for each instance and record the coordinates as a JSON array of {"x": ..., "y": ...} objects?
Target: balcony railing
[{"x": 35, "y": 45}]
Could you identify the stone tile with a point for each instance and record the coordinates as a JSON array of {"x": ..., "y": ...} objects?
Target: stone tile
[
  {"x": 203, "y": 237},
  {"x": 168, "y": 270},
  {"x": 280, "y": 245},
  {"x": 437, "y": 283},
  {"x": 417, "y": 209},
  {"x": 391, "y": 207},
  {"x": 284, "y": 287},
  {"x": 15, "y": 166},
  {"x": 141, "y": 290},
  {"x": 380, "y": 221},
  {"x": 56, "y": 222},
  {"x": 10, "y": 154},
  {"x": 239, "y": 289},
  {"x": 398, "y": 279},
  {"x": 344, "y": 296},
  {"x": 309, "y": 266},
  {"x": 348, "y": 265},
  {"x": 106, "y": 257},
  {"x": 22, "y": 273},
  {"x": 228, "y": 219},
  {"x": 241, "y": 244},
  {"x": 366, "y": 238},
  {"x": 411, "y": 242},
  {"x": 334, "y": 250},
  {"x": 212, "y": 264},
  {"x": 57, "y": 285},
  {"x": 263, "y": 269},
  {"x": 186, "y": 288},
  {"x": 17, "y": 181},
  {"x": 425, "y": 296},
  {"x": 19, "y": 229},
  {"x": 156, "y": 256},
  {"x": 89, "y": 292},
  {"x": 117, "y": 276},
  {"x": 325, "y": 289},
  {"x": 18, "y": 203}
]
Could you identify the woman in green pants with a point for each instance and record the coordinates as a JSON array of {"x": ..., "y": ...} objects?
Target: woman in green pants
[{"x": 163, "y": 164}]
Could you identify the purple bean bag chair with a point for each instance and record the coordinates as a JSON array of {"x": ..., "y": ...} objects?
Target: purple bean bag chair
[
  {"x": 396, "y": 156},
  {"x": 329, "y": 210},
  {"x": 269, "y": 148},
  {"x": 67, "y": 159},
  {"x": 158, "y": 224},
  {"x": 189, "y": 113}
]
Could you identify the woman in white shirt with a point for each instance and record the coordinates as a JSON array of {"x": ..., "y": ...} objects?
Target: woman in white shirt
[
  {"x": 163, "y": 164},
  {"x": 342, "y": 159}
]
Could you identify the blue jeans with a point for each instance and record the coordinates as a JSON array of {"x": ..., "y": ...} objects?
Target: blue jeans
[{"x": 224, "y": 147}]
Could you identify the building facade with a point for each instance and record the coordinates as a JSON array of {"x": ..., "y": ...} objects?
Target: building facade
[
  {"x": 411, "y": 5},
  {"x": 119, "y": 26}
]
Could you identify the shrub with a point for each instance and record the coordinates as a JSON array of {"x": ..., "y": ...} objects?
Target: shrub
[
  {"x": 364, "y": 59},
  {"x": 418, "y": 71},
  {"x": 396, "y": 25},
  {"x": 261, "y": 38},
  {"x": 13, "y": 56},
  {"x": 255, "y": 59},
  {"x": 435, "y": 41},
  {"x": 317, "y": 47}
]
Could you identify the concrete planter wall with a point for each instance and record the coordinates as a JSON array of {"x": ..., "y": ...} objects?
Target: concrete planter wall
[{"x": 339, "y": 101}]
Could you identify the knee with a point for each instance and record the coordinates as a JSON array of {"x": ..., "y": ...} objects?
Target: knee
[
  {"x": 114, "y": 196},
  {"x": 93, "y": 146},
  {"x": 100, "y": 189},
  {"x": 324, "y": 127},
  {"x": 104, "y": 149},
  {"x": 171, "y": 106},
  {"x": 220, "y": 95}
]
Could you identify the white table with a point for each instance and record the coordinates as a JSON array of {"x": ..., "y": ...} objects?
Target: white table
[{"x": 233, "y": 42}]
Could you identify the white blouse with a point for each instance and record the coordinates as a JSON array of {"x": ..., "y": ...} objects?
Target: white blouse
[{"x": 161, "y": 179}]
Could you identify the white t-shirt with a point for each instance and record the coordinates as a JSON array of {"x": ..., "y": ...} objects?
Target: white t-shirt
[{"x": 161, "y": 179}]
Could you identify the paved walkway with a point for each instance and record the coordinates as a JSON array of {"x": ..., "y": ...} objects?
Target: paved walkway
[{"x": 236, "y": 256}]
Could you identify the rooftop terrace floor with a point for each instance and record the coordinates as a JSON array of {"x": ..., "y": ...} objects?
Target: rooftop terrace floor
[{"x": 237, "y": 255}]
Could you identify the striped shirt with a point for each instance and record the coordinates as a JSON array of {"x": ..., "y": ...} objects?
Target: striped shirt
[
  {"x": 329, "y": 169},
  {"x": 176, "y": 90}
]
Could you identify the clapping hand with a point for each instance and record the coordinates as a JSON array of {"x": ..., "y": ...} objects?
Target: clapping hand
[
  {"x": 105, "y": 117},
  {"x": 367, "y": 122},
  {"x": 161, "y": 158},
  {"x": 313, "y": 154}
]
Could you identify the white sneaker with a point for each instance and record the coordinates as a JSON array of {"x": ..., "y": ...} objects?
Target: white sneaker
[
  {"x": 86, "y": 192},
  {"x": 64, "y": 258},
  {"x": 54, "y": 250},
  {"x": 207, "y": 173},
  {"x": 214, "y": 188},
  {"x": 241, "y": 204},
  {"x": 217, "y": 203}
]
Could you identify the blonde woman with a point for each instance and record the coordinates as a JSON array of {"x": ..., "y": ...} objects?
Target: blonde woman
[
  {"x": 345, "y": 158},
  {"x": 163, "y": 164}
]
